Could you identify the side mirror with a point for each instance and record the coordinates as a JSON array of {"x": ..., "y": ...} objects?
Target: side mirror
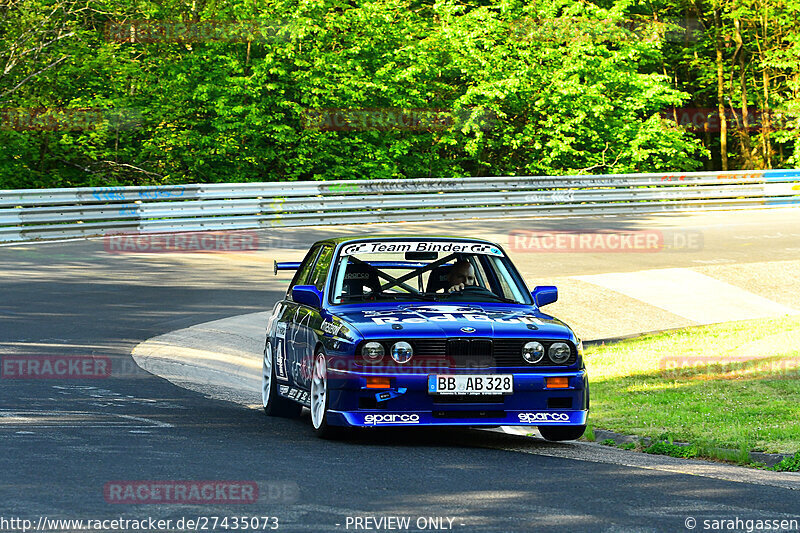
[
  {"x": 307, "y": 295},
  {"x": 544, "y": 294}
]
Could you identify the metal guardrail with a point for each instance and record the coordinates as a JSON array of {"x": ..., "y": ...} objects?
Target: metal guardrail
[{"x": 30, "y": 214}]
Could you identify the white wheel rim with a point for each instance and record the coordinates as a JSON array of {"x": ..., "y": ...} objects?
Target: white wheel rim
[
  {"x": 319, "y": 390},
  {"x": 266, "y": 375}
]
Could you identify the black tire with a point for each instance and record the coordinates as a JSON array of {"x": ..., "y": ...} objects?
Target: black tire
[
  {"x": 274, "y": 404},
  {"x": 559, "y": 433}
]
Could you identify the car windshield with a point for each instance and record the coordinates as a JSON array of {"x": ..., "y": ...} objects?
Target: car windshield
[{"x": 456, "y": 271}]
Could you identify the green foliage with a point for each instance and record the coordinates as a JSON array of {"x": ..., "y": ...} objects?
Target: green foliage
[
  {"x": 526, "y": 101},
  {"x": 673, "y": 450},
  {"x": 788, "y": 464},
  {"x": 608, "y": 442}
]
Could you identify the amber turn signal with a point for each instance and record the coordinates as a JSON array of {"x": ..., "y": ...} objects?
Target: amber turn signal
[
  {"x": 556, "y": 383},
  {"x": 379, "y": 383}
]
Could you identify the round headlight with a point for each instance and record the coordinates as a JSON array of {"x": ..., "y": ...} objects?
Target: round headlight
[
  {"x": 402, "y": 352},
  {"x": 372, "y": 352},
  {"x": 559, "y": 353},
  {"x": 533, "y": 352}
]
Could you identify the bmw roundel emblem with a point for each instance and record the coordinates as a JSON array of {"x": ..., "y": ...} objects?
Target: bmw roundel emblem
[{"x": 468, "y": 329}]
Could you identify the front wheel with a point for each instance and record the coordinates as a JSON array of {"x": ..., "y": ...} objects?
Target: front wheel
[
  {"x": 555, "y": 433},
  {"x": 320, "y": 400},
  {"x": 274, "y": 404}
]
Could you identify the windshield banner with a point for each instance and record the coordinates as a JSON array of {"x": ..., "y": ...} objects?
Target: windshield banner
[
  {"x": 418, "y": 315},
  {"x": 378, "y": 247}
]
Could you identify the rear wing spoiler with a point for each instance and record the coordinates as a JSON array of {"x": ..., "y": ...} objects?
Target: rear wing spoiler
[{"x": 285, "y": 266}]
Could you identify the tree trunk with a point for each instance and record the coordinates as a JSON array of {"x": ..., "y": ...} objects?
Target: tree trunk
[
  {"x": 723, "y": 125},
  {"x": 765, "y": 119},
  {"x": 744, "y": 133}
]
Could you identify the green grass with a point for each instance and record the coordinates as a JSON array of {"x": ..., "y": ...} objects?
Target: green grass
[
  {"x": 789, "y": 464},
  {"x": 720, "y": 403},
  {"x": 673, "y": 450}
]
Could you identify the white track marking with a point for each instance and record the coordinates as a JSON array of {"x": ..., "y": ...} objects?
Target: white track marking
[
  {"x": 72, "y": 419},
  {"x": 689, "y": 294}
]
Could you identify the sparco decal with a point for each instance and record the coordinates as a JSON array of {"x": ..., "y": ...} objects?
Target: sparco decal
[
  {"x": 392, "y": 419},
  {"x": 532, "y": 418},
  {"x": 421, "y": 246}
]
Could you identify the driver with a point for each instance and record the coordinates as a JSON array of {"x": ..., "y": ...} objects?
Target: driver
[{"x": 461, "y": 274}]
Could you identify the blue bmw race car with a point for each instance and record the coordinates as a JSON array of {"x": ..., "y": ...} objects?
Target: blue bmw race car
[{"x": 414, "y": 331}]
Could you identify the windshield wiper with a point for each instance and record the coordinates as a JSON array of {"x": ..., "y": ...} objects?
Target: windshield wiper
[
  {"x": 394, "y": 296},
  {"x": 506, "y": 300},
  {"x": 416, "y": 296}
]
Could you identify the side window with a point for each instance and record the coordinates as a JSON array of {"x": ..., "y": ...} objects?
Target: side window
[
  {"x": 302, "y": 273},
  {"x": 321, "y": 269},
  {"x": 493, "y": 282},
  {"x": 481, "y": 279}
]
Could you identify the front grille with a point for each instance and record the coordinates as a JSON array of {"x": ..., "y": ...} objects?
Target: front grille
[
  {"x": 429, "y": 347},
  {"x": 508, "y": 352},
  {"x": 471, "y": 352},
  {"x": 469, "y": 347}
]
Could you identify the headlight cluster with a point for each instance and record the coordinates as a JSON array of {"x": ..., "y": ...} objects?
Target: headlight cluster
[
  {"x": 533, "y": 352},
  {"x": 373, "y": 352},
  {"x": 558, "y": 352}
]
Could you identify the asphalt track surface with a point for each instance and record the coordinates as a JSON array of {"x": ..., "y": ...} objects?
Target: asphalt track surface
[{"x": 62, "y": 441}]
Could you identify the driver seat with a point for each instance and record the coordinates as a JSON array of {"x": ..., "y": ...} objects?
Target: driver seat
[
  {"x": 438, "y": 279},
  {"x": 358, "y": 280}
]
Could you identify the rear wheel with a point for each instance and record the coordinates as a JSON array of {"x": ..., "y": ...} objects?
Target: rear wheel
[
  {"x": 274, "y": 404},
  {"x": 556, "y": 433}
]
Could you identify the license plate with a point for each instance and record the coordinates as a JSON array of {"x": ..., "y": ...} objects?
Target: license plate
[{"x": 486, "y": 384}]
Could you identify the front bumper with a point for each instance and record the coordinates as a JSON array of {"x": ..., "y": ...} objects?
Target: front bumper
[{"x": 407, "y": 401}]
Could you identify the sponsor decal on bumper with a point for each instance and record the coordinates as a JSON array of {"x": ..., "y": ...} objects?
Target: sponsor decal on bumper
[
  {"x": 534, "y": 418},
  {"x": 426, "y": 418},
  {"x": 391, "y": 418}
]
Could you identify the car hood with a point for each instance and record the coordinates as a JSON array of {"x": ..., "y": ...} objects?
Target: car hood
[{"x": 438, "y": 319}]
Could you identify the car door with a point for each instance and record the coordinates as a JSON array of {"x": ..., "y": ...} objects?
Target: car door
[
  {"x": 285, "y": 328},
  {"x": 307, "y": 323}
]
